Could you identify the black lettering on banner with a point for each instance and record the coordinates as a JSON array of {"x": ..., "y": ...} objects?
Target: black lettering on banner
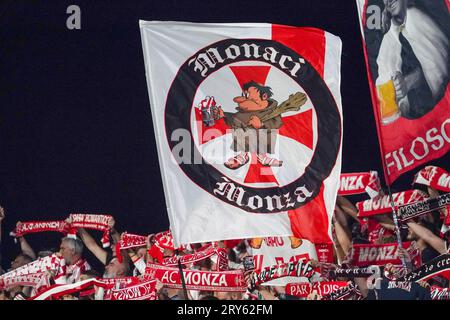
[{"x": 414, "y": 210}]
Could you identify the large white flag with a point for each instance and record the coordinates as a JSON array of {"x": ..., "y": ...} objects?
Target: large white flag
[{"x": 248, "y": 124}]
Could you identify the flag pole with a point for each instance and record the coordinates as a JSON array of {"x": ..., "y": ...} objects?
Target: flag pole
[
  {"x": 181, "y": 275},
  {"x": 397, "y": 229}
]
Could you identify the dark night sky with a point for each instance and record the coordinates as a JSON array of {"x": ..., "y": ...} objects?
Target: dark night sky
[{"x": 75, "y": 125}]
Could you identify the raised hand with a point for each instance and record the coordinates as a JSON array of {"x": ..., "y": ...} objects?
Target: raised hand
[
  {"x": 111, "y": 223},
  {"x": 255, "y": 122},
  {"x": 400, "y": 87},
  {"x": 217, "y": 113}
]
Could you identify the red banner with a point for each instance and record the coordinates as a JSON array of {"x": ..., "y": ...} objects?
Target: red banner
[
  {"x": 407, "y": 53},
  {"x": 382, "y": 205}
]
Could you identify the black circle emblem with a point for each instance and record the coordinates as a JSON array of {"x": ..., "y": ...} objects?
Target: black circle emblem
[{"x": 180, "y": 101}]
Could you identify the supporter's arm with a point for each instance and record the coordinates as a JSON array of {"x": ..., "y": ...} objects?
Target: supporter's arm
[
  {"x": 26, "y": 248},
  {"x": 158, "y": 287},
  {"x": 385, "y": 221},
  {"x": 362, "y": 285},
  {"x": 341, "y": 217},
  {"x": 92, "y": 245},
  {"x": 343, "y": 234},
  {"x": 429, "y": 237},
  {"x": 348, "y": 207},
  {"x": 433, "y": 192},
  {"x": 115, "y": 236},
  {"x": 139, "y": 263},
  {"x": 338, "y": 252}
]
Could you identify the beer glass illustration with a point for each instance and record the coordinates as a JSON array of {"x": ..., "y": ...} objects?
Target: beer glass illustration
[{"x": 388, "y": 103}]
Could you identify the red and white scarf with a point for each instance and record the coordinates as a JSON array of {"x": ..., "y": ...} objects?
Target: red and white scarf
[
  {"x": 299, "y": 268},
  {"x": 164, "y": 240},
  {"x": 382, "y": 204},
  {"x": 140, "y": 291},
  {"x": 128, "y": 241},
  {"x": 438, "y": 293},
  {"x": 362, "y": 255},
  {"x": 197, "y": 280},
  {"x": 303, "y": 289},
  {"x": 91, "y": 221},
  {"x": 117, "y": 283},
  {"x": 434, "y": 177},
  {"x": 58, "y": 290},
  {"x": 74, "y": 271},
  {"x": 28, "y": 280},
  {"x": 24, "y": 228},
  {"x": 359, "y": 182},
  {"x": 189, "y": 259},
  {"x": 108, "y": 284},
  {"x": 349, "y": 292},
  {"x": 375, "y": 230},
  {"x": 32, "y": 272}
]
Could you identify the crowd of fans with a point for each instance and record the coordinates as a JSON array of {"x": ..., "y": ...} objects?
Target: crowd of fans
[{"x": 347, "y": 229}]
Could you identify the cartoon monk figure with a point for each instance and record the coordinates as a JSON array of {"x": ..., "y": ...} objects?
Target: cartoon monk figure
[{"x": 256, "y": 122}]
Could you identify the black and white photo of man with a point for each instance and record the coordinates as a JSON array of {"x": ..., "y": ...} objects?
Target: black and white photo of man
[{"x": 413, "y": 60}]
